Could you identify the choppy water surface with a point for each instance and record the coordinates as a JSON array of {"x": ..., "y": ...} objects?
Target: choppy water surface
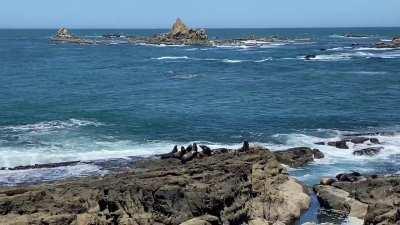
[{"x": 62, "y": 102}]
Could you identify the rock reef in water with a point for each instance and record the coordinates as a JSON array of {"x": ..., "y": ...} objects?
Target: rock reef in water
[
  {"x": 65, "y": 36},
  {"x": 246, "y": 186},
  {"x": 180, "y": 34},
  {"x": 373, "y": 199},
  {"x": 395, "y": 43}
]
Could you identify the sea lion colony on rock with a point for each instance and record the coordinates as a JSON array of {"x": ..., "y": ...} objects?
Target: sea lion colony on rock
[
  {"x": 294, "y": 157},
  {"x": 247, "y": 186}
]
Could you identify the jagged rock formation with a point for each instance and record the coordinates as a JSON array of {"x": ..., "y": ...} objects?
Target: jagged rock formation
[
  {"x": 64, "y": 33},
  {"x": 376, "y": 200},
  {"x": 180, "y": 31},
  {"x": 65, "y": 36},
  {"x": 229, "y": 188}
]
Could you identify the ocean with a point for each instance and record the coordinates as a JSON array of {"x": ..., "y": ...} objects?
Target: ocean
[{"x": 66, "y": 102}]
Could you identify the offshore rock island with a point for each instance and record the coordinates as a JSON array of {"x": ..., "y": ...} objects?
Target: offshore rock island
[{"x": 180, "y": 34}]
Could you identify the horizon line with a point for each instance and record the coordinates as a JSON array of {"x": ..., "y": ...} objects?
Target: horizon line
[{"x": 164, "y": 28}]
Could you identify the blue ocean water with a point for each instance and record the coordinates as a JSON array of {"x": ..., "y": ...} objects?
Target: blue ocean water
[{"x": 62, "y": 102}]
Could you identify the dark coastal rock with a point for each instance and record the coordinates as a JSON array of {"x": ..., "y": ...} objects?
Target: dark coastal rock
[
  {"x": 309, "y": 57},
  {"x": 368, "y": 151},
  {"x": 297, "y": 157},
  {"x": 374, "y": 199},
  {"x": 348, "y": 177},
  {"x": 318, "y": 154},
  {"x": 43, "y": 166},
  {"x": 223, "y": 189},
  {"x": 339, "y": 144}
]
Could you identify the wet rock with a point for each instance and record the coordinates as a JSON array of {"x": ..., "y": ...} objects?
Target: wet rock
[
  {"x": 368, "y": 151},
  {"x": 223, "y": 189},
  {"x": 318, "y": 154},
  {"x": 309, "y": 57},
  {"x": 327, "y": 181},
  {"x": 374, "y": 140},
  {"x": 296, "y": 157},
  {"x": 64, "y": 33},
  {"x": 339, "y": 144},
  {"x": 373, "y": 199},
  {"x": 46, "y": 165},
  {"x": 348, "y": 177},
  {"x": 359, "y": 140},
  {"x": 320, "y": 143}
]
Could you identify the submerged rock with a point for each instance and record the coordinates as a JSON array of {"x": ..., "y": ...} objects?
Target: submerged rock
[
  {"x": 374, "y": 199},
  {"x": 223, "y": 189},
  {"x": 368, "y": 151}
]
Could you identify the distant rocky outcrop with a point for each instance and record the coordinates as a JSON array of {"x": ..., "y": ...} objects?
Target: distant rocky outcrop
[
  {"x": 395, "y": 43},
  {"x": 228, "y": 187},
  {"x": 65, "y": 36},
  {"x": 180, "y": 31},
  {"x": 374, "y": 199}
]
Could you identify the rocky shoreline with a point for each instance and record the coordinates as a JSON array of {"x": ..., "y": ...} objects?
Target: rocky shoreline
[
  {"x": 244, "y": 186},
  {"x": 197, "y": 185}
]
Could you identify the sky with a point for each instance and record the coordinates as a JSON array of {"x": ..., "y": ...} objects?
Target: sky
[{"x": 204, "y": 13}]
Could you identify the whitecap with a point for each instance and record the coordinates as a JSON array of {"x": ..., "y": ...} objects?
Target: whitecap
[
  {"x": 232, "y": 61},
  {"x": 50, "y": 125},
  {"x": 171, "y": 57},
  {"x": 263, "y": 60}
]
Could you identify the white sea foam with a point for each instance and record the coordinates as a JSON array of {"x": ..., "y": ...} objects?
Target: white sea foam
[
  {"x": 185, "y": 76},
  {"x": 50, "y": 125},
  {"x": 232, "y": 61},
  {"x": 263, "y": 60},
  {"x": 171, "y": 57}
]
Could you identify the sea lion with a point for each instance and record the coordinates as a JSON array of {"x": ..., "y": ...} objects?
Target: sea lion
[{"x": 206, "y": 150}]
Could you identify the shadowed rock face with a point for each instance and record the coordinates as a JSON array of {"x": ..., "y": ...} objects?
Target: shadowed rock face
[
  {"x": 373, "y": 199},
  {"x": 228, "y": 188}
]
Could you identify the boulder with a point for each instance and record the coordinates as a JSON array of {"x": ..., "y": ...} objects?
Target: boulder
[
  {"x": 339, "y": 144},
  {"x": 297, "y": 157},
  {"x": 348, "y": 177}
]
